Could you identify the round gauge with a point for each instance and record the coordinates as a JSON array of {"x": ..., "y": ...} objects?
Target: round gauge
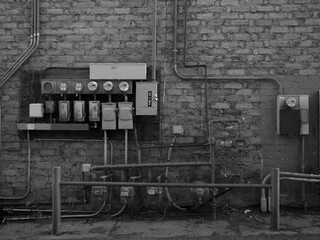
[
  {"x": 47, "y": 87},
  {"x": 108, "y": 86},
  {"x": 63, "y": 86},
  {"x": 92, "y": 86},
  {"x": 124, "y": 86},
  {"x": 78, "y": 87},
  {"x": 291, "y": 102}
]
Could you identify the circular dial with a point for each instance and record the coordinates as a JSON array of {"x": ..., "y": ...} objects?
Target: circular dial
[
  {"x": 63, "y": 86},
  {"x": 108, "y": 86},
  {"x": 48, "y": 87},
  {"x": 78, "y": 87},
  {"x": 92, "y": 86},
  {"x": 291, "y": 102},
  {"x": 124, "y": 86}
]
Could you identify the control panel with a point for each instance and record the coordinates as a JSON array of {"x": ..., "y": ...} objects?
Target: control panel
[{"x": 293, "y": 114}]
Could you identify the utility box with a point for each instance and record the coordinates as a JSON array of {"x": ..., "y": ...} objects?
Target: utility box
[
  {"x": 94, "y": 111},
  {"x": 146, "y": 98},
  {"x": 64, "y": 111},
  {"x": 109, "y": 116},
  {"x": 293, "y": 114},
  {"x": 79, "y": 113},
  {"x": 125, "y": 117},
  {"x": 36, "y": 110}
]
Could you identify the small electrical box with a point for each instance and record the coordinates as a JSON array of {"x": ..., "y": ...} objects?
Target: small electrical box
[
  {"x": 64, "y": 111},
  {"x": 94, "y": 111},
  {"x": 36, "y": 110},
  {"x": 50, "y": 106},
  {"x": 293, "y": 114},
  {"x": 109, "y": 116},
  {"x": 79, "y": 113},
  {"x": 125, "y": 117},
  {"x": 146, "y": 98}
]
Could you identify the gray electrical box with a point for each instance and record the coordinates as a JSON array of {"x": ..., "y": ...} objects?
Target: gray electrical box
[
  {"x": 293, "y": 114},
  {"x": 146, "y": 98},
  {"x": 109, "y": 116}
]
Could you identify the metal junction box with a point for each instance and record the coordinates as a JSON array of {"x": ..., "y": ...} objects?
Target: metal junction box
[
  {"x": 115, "y": 71},
  {"x": 146, "y": 98},
  {"x": 64, "y": 111},
  {"x": 94, "y": 111},
  {"x": 125, "y": 117},
  {"x": 36, "y": 110},
  {"x": 109, "y": 116},
  {"x": 79, "y": 113},
  {"x": 293, "y": 114}
]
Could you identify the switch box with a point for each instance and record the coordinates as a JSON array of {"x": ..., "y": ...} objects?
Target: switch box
[
  {"x": 146, "y": 98},
  {"x": 50, "y": 106},
  {"x": 36, "y": 110},
  {"x": 109, "y": 116},
  {"x": 125, "y": 117},
  {"x": 293, "y": 114},
  {"x": 94, "y": 111},
  {"x": 79, "y": 113},
  {"x": 64, "y": 111}
]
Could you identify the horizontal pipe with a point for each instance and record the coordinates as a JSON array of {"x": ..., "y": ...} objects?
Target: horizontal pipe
[
  {"x": 150, "y": 165},
  {"x": 300, "y": 179},
  {"x": 181, "y": 185},
  {"x": 177, "y": 146},
  {"x": 304, "y": 175}
]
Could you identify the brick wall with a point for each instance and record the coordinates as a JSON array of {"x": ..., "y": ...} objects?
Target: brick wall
[{"x": 276, "y": 39}]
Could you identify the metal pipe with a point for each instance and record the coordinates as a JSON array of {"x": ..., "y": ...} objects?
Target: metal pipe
[
  {"x": 154, "y": 40},
  {"x": 150, "y": 165},
  {"x": 126, "y": 146},
  {"x": 175, "y": 65},
  {"x": 105, "y": 152},
  {"x": 33, "y": 44},
  {"x": 179, "y": 185},
  {"x": 303, "y": 196},
  {"x": 28, "y": 174},
  {"x": 176, "y": 146},
  {"x": 56, "y": 201},
  {"x": 166, "y": 189},
  {"x": 275, "y": 201},
  {"x": 121, "y": 210}
]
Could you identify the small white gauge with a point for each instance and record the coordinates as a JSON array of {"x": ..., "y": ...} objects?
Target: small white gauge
[
  {"x": 92, "y": 86},
  {"x": 78, "y": 87},
  {"x": 108, "y": 86},
  {"x": 124, "y": 86},
  {"x": 291, "y": 102},
  {"x": 63, "y": 86}
]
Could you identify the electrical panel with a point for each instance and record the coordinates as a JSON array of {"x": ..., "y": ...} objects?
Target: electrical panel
[
  {"x": 146, "y": 98},
  {"x": 125, "y": 116},
  {"x": 109, "y": 116},
  {"x": 36, "y": 110},
  {"x": 293, "y": 114}
]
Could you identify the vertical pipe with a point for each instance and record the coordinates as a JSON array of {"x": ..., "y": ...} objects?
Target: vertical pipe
[
  {"x": 0, "y": 127},
  {"x": 213, "y": 169},
  {"x": 303, "y": 196},
  {"x": 126, "y": 146},
  {"x": 154, "y": 47},
  {"x": 105, "y": 152},
  {"x": 56, "y": 201},
  {"x": 275, "y": 199}
]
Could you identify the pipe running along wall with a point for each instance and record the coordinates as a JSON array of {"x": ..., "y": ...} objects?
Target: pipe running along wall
[{"x": 34, "y": 42}]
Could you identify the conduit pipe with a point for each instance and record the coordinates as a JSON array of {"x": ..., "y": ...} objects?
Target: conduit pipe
[
  {"x": 34, "y": 42},
  {"x": 175, "y": 64},
  {"x": 302, "y": 177},
  {"x": 28, "y": 174},
  {"x": 154, "y": 41}
]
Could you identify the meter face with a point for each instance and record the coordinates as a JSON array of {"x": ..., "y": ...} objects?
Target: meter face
[
  {"x": 63, "y": 87},
  {"x": 92, "y": 86},
  {"x": 108, "y": 86},
  {"x": 291, "y": 102},
  {"x": 78, "y": 87},
  {"x": 124, "y": 86}
]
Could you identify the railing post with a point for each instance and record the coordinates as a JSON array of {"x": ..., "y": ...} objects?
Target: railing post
[
  {"x": 275, "y": 199},
  {"x": 56, "y": 201}
]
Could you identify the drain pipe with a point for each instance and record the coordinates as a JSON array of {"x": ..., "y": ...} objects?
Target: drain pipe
[
  {"x": 34, "y": 42},
  {"x": 29, "y": 174},
  {"x": 154, "y": 41}
]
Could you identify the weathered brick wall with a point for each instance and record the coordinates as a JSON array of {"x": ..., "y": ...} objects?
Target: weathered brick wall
[{"x": 277, "y": 39}]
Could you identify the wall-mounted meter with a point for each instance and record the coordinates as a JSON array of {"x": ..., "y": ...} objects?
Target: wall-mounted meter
[
  {"x": 293, "y": 114},
  {"x": 146, "y": 98},
  {"x": 92, "y": 86},
  {"x": 47, "y": 87},
  {"x": 108, "y": 85}
]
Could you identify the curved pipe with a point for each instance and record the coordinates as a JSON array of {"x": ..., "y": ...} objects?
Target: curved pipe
[
  {"x": 86, "y": 215},
  {"x": 35, "y": 39},
  {"x": 166, "y": 179},
  {"x": 121, "y": 210},
  {"x": 175, "y": 65},
  {"x": 29, "y": 174}
]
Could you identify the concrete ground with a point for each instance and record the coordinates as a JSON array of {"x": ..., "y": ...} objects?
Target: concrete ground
[{"x": 232, "y": 224}]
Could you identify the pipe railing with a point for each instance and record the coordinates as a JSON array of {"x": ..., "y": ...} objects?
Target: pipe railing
[{"x": 57, "y": 183}]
